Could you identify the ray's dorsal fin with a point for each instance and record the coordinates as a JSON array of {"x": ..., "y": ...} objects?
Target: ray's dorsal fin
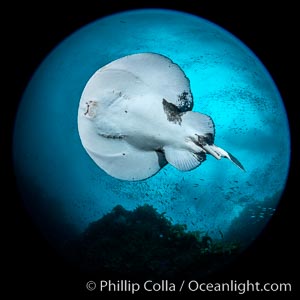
[{"x": 202, "y": 125}]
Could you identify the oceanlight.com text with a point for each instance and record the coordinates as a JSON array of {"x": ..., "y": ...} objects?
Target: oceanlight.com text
[
  {"x": 194, "y": 286},
  {"x": 239, "y": 287}
]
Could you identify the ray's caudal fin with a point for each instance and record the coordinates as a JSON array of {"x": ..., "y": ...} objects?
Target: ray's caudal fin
[{"x": 236, "y": 161}]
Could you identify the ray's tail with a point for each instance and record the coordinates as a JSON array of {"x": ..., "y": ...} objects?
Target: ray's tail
[{"x": 218, "y": 153}]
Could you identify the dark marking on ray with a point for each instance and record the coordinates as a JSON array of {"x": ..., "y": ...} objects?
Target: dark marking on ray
[
  {"x": 205, "y": 139},
  {"x": 183, "y": 96},
  {"x": 185, "y": 104},
  {"x": 87, "y": 108},
  {"x": 161, "y": 158},
  {"x": 201, "y": 156},
  {"x": 111, "y": 136},
  {"x": 172, "y": 112}
]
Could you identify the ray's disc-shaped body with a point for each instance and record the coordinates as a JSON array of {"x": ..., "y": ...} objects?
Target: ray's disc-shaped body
[{"x": 135, "y": 116}]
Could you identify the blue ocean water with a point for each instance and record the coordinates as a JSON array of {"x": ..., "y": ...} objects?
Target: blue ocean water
[{"x": 64, "y": 189}]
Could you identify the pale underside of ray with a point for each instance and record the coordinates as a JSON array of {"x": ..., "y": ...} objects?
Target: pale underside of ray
[
  {"x": 117, "y": 141},
  {"x": 135, "y": 116},
  {"x": 160, "y": 74},
  {"x": 119, "y": 133},
  {"x": 129, "y": 164}
]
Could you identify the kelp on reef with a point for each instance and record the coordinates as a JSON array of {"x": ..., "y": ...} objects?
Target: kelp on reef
[{"x": 144, "y": 242}]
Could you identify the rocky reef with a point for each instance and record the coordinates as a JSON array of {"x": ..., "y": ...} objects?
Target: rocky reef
[{"x": 144, "y": 243}]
